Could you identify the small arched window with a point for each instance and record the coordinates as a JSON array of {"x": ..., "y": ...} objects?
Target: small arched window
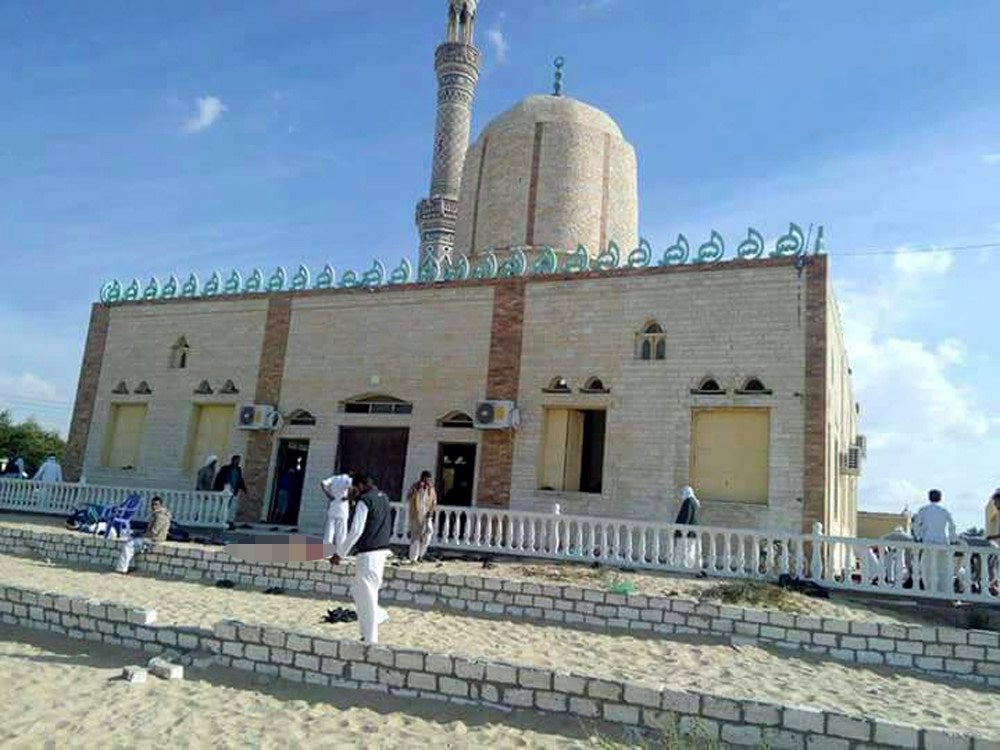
[
  {"x": 121, "y": 389},
  {"x": 456, "y": 420},
  {"x": 179, "y": 354},
  {"x": 229, "y": 387},
  {"x": 709, "y": 386},
  {"x": 595, "y": 385},
  {"x": 755, "y": 386},
  {"x": 651, "y": 342},
  {"x": 377, "y": 404},
  {"x": 143, "y": 389},
  {"x": 301, "y": 418},
  {"x": 203, "y": 389},
  {"x": 558, "y": 384}
]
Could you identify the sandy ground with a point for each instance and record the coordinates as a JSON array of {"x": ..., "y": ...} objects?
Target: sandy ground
[
  {"x": 839, "y": 606},
  {"x": 219, "y": 708},
  {"x": 742, "y": 673}
]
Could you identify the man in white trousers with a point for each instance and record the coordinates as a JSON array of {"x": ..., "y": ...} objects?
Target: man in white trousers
[
  {"x": 337, "y": 509},
  {"x": 368, "y": 536}
]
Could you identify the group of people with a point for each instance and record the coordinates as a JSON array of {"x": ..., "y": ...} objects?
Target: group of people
[
  {"x": 227, "y": 479},
  {"x": 359, "y": 522},
  {"x": 49, "y": 471}
]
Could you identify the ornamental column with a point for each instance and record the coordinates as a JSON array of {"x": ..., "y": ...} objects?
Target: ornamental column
[{"x": 456, "y": 63}]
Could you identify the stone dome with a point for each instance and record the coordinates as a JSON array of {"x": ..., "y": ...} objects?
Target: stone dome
[{"x": 552, "y": 171}]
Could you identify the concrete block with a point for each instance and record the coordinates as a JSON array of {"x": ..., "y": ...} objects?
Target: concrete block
[
  {"x": 166, "y": 670},
  {"x": 939, "y": 739},
  {"x": 621, "y": 714},
  {"x": 551, "y": 701},
  {"x": 583, "y": 707},
  {"x": 422, "y": 681},
  {"x": 453, "y": 686},
  {"x": 680, "y": 701},
  {"x": 534, "y": 678},
  {"x": 518, "y": 697},
  {"x": 134, "y": 675},
  {"x": 741, "y": 734},
  {"x": 852, "y": 729},
  {"x": 609, "y": 691},
  {"x": 720, "y": 708},
  {"x": 896, "y": 735},
  {"x": 803, "y": 719},
  {"x": 502, "y": 673}
]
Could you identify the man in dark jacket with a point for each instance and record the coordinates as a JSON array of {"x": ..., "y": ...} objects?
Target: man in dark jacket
[{"x": 368, "y": 537}]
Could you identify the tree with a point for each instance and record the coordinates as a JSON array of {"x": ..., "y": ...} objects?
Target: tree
[
  {"x": 974, "y": 532},
  {"x": 29, "y": 441}
]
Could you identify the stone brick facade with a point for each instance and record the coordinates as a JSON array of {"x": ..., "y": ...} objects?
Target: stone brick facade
[{"x": 443, "y": 347}]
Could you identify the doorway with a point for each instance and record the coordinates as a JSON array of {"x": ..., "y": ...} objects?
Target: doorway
[
  {"x": 379, "y": 452},
  {"x": 290, "y": 471},
  {"x": 456, "y": 471}
]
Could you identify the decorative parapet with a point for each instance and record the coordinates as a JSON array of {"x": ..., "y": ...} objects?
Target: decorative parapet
[{"x": 516, "y": 262}]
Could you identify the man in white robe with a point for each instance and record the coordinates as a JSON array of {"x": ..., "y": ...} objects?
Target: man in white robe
[
  {"x": 337, "y": 509},
  {"x": 49, "y": 471}
]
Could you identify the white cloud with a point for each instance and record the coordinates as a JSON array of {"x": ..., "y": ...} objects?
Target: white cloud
[
  {"x": 501, "y": 48},
  {"x": 210, "y": 109},
  {"x": 991, "y": 158},
  {"x": 912, "y": 265}
]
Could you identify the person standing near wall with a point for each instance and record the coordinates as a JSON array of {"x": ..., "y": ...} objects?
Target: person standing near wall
[
  {"x": 933, "y": 524},
  {"x": 206, "y": 474},
  {"x": 368, "y": 537},
  {"x": 423, "y": 503},
  {"x": 230, "y": 478},
  {"x": 689, "y": 515}
]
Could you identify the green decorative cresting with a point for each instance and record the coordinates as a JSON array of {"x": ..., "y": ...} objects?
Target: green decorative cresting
[
  {"x": 641, "y": 256},
  {"x": 676, "y": 254},
  {"x": 277, "y": 280},
  {"x": 455, "y": 269},
  {"x": 789, "y": 244},
  {"x": 300, "y": 280},
  {"x": 326, "y": 278},
  {"x": 514, "y": 265},
  {"x": 577, "y": 261},
  {"x": 152, "y": 290},
  {"x": 211, "y": 288},
  {"x": 711, "y": 251},
  {"x": 607, "y": 259},
  {"x": 374, "y": 276},
  {"x": 169, "y": 290},
  {"x": 254, "y": 282},
  {"x": 752, "y": 247},
  {"x": 430, "y": 270},
  {"x": 401, "y": 274},
  {"x": 131, "y": 292},
  {"x": 485, "y": 266},
  {"x": 546, "y": 263},
  {"x": 234, "y": 283}
]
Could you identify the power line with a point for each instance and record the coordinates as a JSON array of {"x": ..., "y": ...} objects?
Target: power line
[
  {"x": 32, "y": 399},
  {"x": 920, "y": 250}
]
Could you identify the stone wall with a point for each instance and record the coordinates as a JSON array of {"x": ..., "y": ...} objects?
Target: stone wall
[
  {"x": 971, "y": 656},
  {"x": 306, "y": 658}
]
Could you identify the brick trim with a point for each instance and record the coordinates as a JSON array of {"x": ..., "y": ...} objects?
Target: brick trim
[
  {"x": 479, "y": 187},
  {"x": 605, "y": 192},
  {"x": 496, "y": 454},
  {"x": 536, "y": 157},
  {"x": 86, "y": 391},
  {"x": 268, "y": 391},
  {"x": 815, "y": 474}
]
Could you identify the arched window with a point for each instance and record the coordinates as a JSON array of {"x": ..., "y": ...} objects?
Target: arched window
[
  {"x": 651, "y": 342},
  {"x": 203, "y": 389},
  {"x": 377, "y": 404},
  {"x": 595, "y": 385},
  {"x": 143, "y": 389},
  {"x": 301, "y": 418},
  {"x": 456, "y": 420},
  {"x": 229, "y": 387},
  {"x": 558, "y": 384},
  {"x": 179, "y": 354},
  {"x": 755, "y": 386},
  {"x": 121, "y": 389},
  {"x": 709, "y": 386}
]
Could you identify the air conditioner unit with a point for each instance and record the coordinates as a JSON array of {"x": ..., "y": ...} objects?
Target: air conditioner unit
[
  {"x": 495, "y": 415},
  {"x": 258, "y": 417},
  {"x": 862, "y": 443},
  {"x": 851, "y": 461}
]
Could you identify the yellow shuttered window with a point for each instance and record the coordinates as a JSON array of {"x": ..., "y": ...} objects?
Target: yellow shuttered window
[
  {"x": 121, "y": 448},
  {"x": 211, "y": 426},
  {"x": 730, "y": 454}
]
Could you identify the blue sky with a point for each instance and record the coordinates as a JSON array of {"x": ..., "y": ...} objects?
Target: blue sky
[{"x": 151, "y": 138}]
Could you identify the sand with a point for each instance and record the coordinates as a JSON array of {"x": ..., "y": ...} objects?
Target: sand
[
  {"x": 749, "y": 672},
  {"x": 59, "y": 693}
]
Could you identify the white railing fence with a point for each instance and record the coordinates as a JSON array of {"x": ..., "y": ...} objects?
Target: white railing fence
[
  {"x": 200, "y": 509},
  {"x": 955, "y": 572}
]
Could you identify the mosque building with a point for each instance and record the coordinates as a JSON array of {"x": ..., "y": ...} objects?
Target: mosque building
[{"x": 559, "y": 359}]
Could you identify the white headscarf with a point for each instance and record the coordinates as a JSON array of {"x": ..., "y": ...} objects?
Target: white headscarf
[
  {"x": 210, "y": 459},
  {"x": 687, "y": 493},
  {"x": 337, "y": 486}
]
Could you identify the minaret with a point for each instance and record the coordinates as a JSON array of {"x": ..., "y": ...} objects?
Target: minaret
[{"x": 456, "y": 62}]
